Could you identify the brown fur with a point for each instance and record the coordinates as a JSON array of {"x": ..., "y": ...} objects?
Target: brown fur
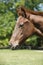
[
  {"x": 35, "y": 17},
  {"x": 23, "y": 29}
]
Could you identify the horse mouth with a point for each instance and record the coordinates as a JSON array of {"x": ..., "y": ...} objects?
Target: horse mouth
[{"x": 14, "y": 45}]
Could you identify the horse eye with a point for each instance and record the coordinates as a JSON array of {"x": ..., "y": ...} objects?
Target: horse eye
[{"x": 21, "y": 25}]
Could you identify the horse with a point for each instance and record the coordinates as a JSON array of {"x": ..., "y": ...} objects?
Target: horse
[
  {"x": 35, "y": 17},
  {"x": 23, "y": 29}
]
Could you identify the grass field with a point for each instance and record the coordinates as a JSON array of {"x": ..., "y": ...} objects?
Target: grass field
[{"x": 21, "y": 57}]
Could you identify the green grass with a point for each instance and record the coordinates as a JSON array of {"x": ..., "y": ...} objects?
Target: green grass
[{"x": 21, "y": 57}]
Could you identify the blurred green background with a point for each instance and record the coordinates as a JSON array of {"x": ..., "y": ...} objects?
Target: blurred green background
[{"x": 8, "y": 17}]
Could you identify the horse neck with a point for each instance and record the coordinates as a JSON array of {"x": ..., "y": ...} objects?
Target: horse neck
[{"x": 31, "y": 16}]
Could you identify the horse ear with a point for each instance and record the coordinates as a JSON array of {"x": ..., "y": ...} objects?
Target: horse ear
[{"x": 23, "y": 12}]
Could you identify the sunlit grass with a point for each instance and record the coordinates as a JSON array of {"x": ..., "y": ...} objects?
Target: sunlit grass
[{"x": 21, "y": 57}]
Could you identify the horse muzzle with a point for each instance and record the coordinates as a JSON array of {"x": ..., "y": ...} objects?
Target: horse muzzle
[{"x": 14, "y": 45}]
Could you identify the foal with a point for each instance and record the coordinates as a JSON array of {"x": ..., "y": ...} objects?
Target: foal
[{"x": 23, "y": 29}]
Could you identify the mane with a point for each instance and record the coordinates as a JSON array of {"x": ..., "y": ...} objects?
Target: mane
[{"x": 31, "y": 11}]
